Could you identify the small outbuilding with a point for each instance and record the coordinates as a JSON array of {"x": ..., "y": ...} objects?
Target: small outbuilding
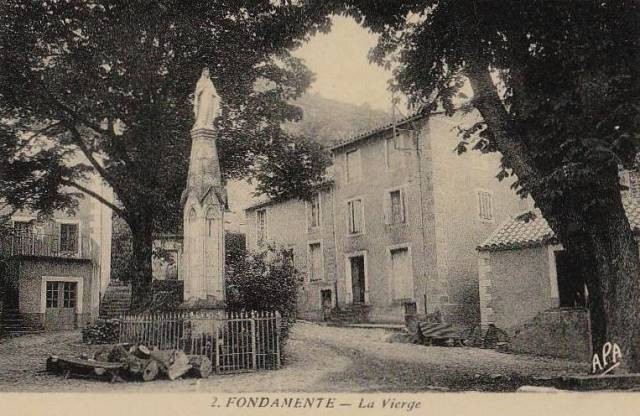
[{"x": 529, "y": 287}]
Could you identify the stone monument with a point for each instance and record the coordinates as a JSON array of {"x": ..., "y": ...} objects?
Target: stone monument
[{"x": 203, "y": 204}]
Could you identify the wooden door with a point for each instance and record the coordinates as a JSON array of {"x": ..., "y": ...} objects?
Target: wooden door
[
  {"x": 357, "y": 279},
  {"x": 61, "y": 301},
  {"x": 401, "y": 274}
]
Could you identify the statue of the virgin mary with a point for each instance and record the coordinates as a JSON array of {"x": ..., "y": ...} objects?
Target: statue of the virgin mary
[{"x": 206, "y": 102}]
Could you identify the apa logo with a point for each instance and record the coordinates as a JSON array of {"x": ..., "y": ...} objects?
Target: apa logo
[{"x": 611, "y": 357}]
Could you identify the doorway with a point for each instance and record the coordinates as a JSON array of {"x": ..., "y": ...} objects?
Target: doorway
[
  {"x": 326, "y": 303},
  {"x": 358, "y": 288},
  {"x": 61, "y": 301},
  {"x": 571, "y": 284}
]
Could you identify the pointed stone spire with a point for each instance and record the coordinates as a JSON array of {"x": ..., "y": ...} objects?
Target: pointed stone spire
[{"x": 203, "y": 204}]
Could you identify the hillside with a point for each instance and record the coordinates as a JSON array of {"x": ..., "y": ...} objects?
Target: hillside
[{"x": 328, "y": 120}]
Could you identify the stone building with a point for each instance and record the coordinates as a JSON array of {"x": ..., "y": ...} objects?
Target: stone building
[
  {"x": 529, "y": 285},
  {"x": 54, "y": 269},
  {"x": 396, "y": 227}
]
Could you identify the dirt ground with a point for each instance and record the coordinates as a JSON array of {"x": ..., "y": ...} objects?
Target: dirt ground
[{"x": 320, "y": 359}]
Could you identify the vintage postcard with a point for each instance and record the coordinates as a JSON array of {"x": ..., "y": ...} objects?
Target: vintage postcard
[{"x": 390, "y": 207}]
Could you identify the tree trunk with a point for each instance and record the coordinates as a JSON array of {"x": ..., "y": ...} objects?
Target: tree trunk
[
  {"x": 600, "y": 235},
  {"x": 603, "y": 242},
  {"x": 142, "y": 234}
]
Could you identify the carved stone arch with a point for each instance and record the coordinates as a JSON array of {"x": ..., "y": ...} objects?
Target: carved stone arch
[
  {"x": 211, "y": 217},
  {"x": 193, "y": 215}
]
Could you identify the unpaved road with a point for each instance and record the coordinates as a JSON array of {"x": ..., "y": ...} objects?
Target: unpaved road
[{"x": 320, "y": 359}]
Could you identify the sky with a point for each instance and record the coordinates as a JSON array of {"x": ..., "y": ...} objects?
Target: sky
[{"x": 343, "y": 72}]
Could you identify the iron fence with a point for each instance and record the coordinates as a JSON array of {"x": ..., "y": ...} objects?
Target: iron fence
[{"x": 237, "y": 342}]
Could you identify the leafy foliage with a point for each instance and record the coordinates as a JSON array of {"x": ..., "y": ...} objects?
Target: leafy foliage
[
  {"x": 105, "y": 87},
  {"x": 565, "y": 72},
  {"x": 264, "y": 280},
  {"x": 235, "y": 247}
]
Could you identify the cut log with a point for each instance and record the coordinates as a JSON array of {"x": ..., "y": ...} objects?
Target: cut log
[
  {"x": 163, "y": 358},
  {"x": 81, "y": 367},
  {"x": 150, "y": 371},
  {"x": 143, "y": 351},
  {"x": 200, "y": 366},
  {"x": 140, "y": 351},
  {"x": 179, "y": 365},
  {"x": 135, "y": 365}
]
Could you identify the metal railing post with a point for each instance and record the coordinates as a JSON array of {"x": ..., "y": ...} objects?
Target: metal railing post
[{"x": 254, "y": 356}]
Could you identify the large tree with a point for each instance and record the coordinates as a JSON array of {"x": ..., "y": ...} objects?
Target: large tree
[
  {"x": 558, "y": 89},
  {"x": 111, "y": 80}
]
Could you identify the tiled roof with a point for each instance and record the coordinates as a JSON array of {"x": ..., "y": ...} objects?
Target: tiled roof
[
  {"x": 531, "y": 230},
  {"x": 369, "y": 133},
  {"x": 260, "y": 201}
]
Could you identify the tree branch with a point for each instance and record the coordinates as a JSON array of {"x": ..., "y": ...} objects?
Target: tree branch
[
  {"x": 487, "y": 100},
  {"x": 69, "y": 111},
  {"x": 96, "y": 165},
  {"x": 44, "y": 130},
  {"x": 96, "y": 196}
]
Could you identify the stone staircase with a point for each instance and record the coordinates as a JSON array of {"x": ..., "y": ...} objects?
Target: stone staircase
[
  {"x": 115, "y": 301},
  {"x": 350, "y": 314},
  {"x": 13, "y": 324}
]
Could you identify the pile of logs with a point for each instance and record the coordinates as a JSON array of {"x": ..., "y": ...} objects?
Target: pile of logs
[
  {"x": 103, "y": 332},
  {"x": 138, "y": 362}
]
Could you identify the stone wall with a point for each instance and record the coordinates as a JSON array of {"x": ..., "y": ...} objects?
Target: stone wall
[
  {"x": 559, "y": 332},
  {"x": 289, "y": 228},
  {"x": 457, "y": 179},
  {"x": 515, "y": 286}
]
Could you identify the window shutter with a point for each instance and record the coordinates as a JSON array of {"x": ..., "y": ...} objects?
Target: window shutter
[
  {"x": 387, "y": 208},
  {"x": 308, "y": 212},
  {"x": 403, "y": 214},
  {"x": 356, "y": 216}
]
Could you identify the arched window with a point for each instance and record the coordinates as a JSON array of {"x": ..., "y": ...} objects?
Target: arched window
[{"x": 192, "y": 215}]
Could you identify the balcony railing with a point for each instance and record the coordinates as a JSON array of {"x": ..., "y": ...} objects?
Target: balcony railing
[{"x": 44, "y": 245}]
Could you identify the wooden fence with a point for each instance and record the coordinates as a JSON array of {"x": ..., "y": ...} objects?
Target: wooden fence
[{"x": 239, "y": 342}]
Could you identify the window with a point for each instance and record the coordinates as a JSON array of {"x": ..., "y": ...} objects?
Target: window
[
  {"x": 68, "y": 295},
  {"x": 393, "y": 151},
  {"x": 69, "y": 238},
  {"x": 261, "y": 218},
  {"x": 315, "y": 261},
  {"x": 401, "y": 274},
  {"x": 353, "y": 165},
  {"x": 355, "y": 216},
  {"x": 314, "y": 212},
  {"x": 485, "y": 208},
  {"x": 52, "y": 294},
  {"x": 22, "y": 227},
  {"x": 394, "y": 207}
]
